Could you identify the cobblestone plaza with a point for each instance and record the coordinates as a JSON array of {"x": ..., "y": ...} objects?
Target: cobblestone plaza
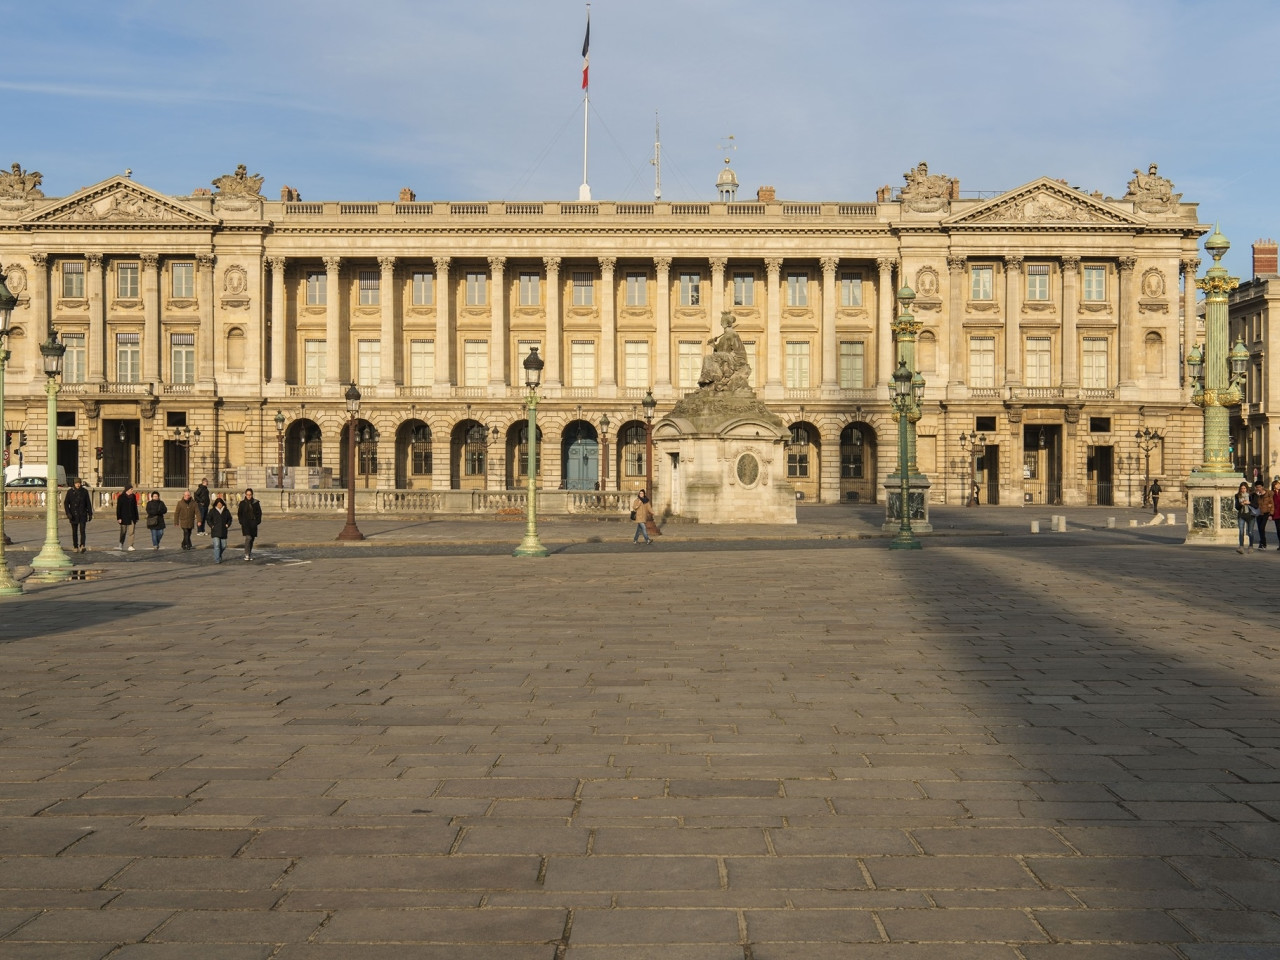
[{"x": 1002, "y": 747}]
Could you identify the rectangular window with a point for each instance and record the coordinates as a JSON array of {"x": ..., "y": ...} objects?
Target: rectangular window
[
  {"x": 980, "y": 282},
  {"x": 127, "y": 281},
  {"x": 583, "y": 288},
  {"x": 582, "y": 363},
  {"x": 475, "y": 363},
  {"x": 637, "y": 290},
  {"x": 1037, "y": 281},
  {"x": 1038, "y": 362},
  {"x": 530, "y": 289},
  {"x": 744, "y": 290},
  {"x": 1093, "y": 372},
  {"x": 369, "y": 362},
  {"x": 422, "y": 289},
  {"x": 75, "y": 359},
  {"x": 317, "y": 289},
  {"x": 688, "y": 363},
  {"x": 73, "y": 279},
  {"x": 635, "y": 363},
  {"x": 369, "y": 292},
  {"x": 690, "y": 289},
  {"x": 128, "y": 357},
  {"x": 853, "y": 356},
  {"x": 750, "y": 346},
  {"x": 522, "y": 351},
  {"x": 982, "y": 361},
  {"x": 477, "y": 287},
  {"x": 183, "y": 276},
  {"x": 851, "y": 288},
  {"x": 182, "y": 358},
  {"x": 1095, "y": 283},
  {"x": 316, "y": 361},
  {"x": 797, "y": 364},
  {"x": 797, "y": 289},
  {"x": 422, "y": 362}
]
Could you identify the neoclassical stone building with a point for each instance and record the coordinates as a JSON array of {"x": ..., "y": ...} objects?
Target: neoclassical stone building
[{"x": 1052, "y": 332}]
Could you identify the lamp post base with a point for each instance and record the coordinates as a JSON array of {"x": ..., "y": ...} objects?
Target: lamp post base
[
  {"x": 51, "y": 564},
  {"x": 905, "y": 541},
  {"x": 530, "y": 547},
  {"x": 351, "y": 532}
]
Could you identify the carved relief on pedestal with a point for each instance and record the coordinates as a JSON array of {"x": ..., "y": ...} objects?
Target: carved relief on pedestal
[
  {"x": 1152, "y": 290},
  {"x": 926, "y": 287},
  {"x": 235, "y": 284},
  {"x": 16, "y": 280}
]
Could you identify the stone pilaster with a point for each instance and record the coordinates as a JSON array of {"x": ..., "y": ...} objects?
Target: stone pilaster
[
  {"x": 334, "y": 349},
  {"x": 608, "y": 327},
  {"x": 830, "y": 296}
]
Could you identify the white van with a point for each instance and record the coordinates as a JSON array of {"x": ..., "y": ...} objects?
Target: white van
[{"x": 32, "y": 475}]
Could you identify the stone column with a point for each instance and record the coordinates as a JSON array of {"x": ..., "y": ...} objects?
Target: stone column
[
  {"x": 608, "y": 328},
  {"x": 498, "y": 327},
  {"x": 152, "y": 347},
  {"x": 333, "y": 321},
  {"x": 773, "y": 330},
  {"x": 1189, "y": 267},
  {"x": 830, "y": 295},
  {"x": 97, "y": 319},
  {"x": 279, "y": 324},
  {"x": 662, "y": 378},
  {"x": 390, "y": 360},
  {"x": 1012, "y": 331},
  {"x": 717, "y": 290},
  {"x": 1070, "y": 338},
  {"x": 205, "y": 341},
  {"x": 444, "y": 342},
  {"x": 40, "y": 298},
  {"x": 1126, "y": 321},
  {"x": 551, "y": 348},
  {"x": 958, "y": 359},
  {"x": 886, "y": 297}
]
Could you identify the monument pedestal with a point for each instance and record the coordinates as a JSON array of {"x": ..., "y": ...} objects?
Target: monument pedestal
[
  {"x": 918, "y": 487},
  {"x": 1211, "y": 509}
]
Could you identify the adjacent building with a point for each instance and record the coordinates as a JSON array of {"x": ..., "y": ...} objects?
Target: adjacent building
[
  {"x": 1251, "y": 308},
  {"x": 1052, "y": 332}
]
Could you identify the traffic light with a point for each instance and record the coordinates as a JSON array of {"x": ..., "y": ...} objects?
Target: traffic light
[
  {"x": 22, "y": 440},
  {"x": 97, "y": 453}
]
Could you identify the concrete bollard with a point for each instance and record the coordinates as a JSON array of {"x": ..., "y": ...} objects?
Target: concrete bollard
[
  {"x": 1062, "y": 523},
  {"x": 1171, "y": 518},
  {"x": 1133, "y": 523},
  {"x": 1035, "y": 526},
  {"x": 1111, "y": 523}
]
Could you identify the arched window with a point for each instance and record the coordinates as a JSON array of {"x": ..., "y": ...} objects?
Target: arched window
[
  {"x": 420, "y": 450},
  {"x": 235, "y": 348},
  {"x": 1154, "y": 345},
  {"x": 852, "y": 466},
  {"x": 798, "y": 453},
  {"x": 633, "y": 447},
  {"x": 927, "y": 352},
  {"x": 522, "y": 452}
]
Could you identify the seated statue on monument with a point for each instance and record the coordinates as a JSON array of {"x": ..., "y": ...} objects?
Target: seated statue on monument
[{"x": 726, "y": 367}]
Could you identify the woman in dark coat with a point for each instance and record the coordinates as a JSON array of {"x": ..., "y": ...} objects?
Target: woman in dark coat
[
  {"x": 127, "y": 514},
  {"x": 218, "y": 522},
  {"x": 249, "y": 513},
  {"x": 156, "y": 510},
  {"x": 79, "y": 510}
]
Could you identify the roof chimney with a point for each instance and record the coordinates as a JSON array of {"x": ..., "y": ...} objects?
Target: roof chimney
[{"x": 1264, "y": 258}]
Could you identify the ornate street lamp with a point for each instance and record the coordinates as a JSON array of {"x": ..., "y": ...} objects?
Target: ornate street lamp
[
  {"x": 604, "y": 452},
  {"x": 351, "y": 531},
  {"x": 905, "y": 394},
  {"x": 52, "y": 562},
  {"x": 971, "y": 443},
  {"x": 530, "y": 546},
  {"x": 279, "y": 449},
  {"x": 650, "y": 405},
  {"x": 1148, "y": 440},
  {"x": 8, "y": 586}
]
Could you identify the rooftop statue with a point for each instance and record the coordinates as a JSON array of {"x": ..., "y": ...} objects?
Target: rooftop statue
[
  {"x": 20, "y": 184},
  {"x": 1151, "y": 192},
  {"x": 239, "y": 184}
]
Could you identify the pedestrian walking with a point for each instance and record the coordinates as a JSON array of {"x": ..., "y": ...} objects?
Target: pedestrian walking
[
  {"x": 201, "y": 498},
  {"x": 1246, "y": 518},
  {"x": 184, "y": 515},
  {"x": 78, "y": 507},
  {"x": 1265, "y": 503},
  {"x": 1155, "y": 496},
  {"x": 642, "y": 514},
  {"x": 218, "y": 522},
  {"x": 249, "y": 513},
  {"x": 156, "y": 509},
  {"x": 1275, "y": 513},
  {"x": 127, "y": 514}
]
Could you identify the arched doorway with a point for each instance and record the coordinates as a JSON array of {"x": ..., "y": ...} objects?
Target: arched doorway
[
  {"x": 580, "y": 456},
  {"x": 803, "y": 457},
  {"x": 413, "y": 455},
  {"x": 304, "y": 451},
  {"x": 858, "y": 463},
  {"x": 629, "y": 455},
  {"x": 367, "y": 438},
  {"x": 468, "y": 456},
  {"x": 518, "y": 456}
]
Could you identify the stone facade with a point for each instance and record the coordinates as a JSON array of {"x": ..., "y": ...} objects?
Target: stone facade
[
  {"x": 1051, "y": 324},
  {"x": 1251, "y": 308}
]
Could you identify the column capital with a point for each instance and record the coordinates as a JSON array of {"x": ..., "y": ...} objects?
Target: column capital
[
  {"x": 206, "y": 260},
  {"x": 497, "y": 264},
  {"x": 607, "y": 264},
  {"x": 277, "y": 264},
  {"x": 1190, "y": 265},
  {"x": 886, "y": 264},
  {"x": 95, "y": 260},
  {"x": 332, "y": 264},
  {"x": 662, "y": 264},
  {"x": 442, "y": 263},
  {"x": 551, "y": 264},
  {"x": 718, "y": 263},
  {"x": 1071, "y": 263},
  {"x": 773, "y": 266},
  {"x": 149, "y": 260},
  {"x": 41, "y": 258},
  {"x": 1013, "y": 264},
  {"x": 829, "y": 264},
  {"x": 1127, "y": 264},
  {"x": 387, "y": 263},
  {"x": 955, "y": 263}
]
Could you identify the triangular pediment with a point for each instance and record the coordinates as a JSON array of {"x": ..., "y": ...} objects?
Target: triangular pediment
[
  {"x": 119, "y": 201},
  {"x": 1045, "y": 201}
]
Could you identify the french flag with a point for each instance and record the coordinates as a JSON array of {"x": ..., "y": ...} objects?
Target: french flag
[{"x": 586, "y": 61}]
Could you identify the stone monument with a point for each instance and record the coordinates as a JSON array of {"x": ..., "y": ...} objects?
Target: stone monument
[{"x": 724, "y": 449}]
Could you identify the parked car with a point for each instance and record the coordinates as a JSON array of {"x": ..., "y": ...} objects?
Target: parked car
[{"x": 32, "y": 475}]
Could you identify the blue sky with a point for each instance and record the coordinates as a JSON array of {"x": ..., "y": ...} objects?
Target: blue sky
[{"x": 824, "y": 99}]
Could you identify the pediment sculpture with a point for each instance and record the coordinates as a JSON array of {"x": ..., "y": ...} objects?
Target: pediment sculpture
[
  {"x": 21, "y": 184},
  {"x": 116, "y": 205},
  {"x": 238, "y": 191},
  {"x": 926, "y": 192},
  {"x": 1042, "y": 207},
  {"x": 1150, "y": 192}
]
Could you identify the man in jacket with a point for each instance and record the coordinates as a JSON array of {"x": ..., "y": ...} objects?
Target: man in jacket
[
  {"x": 79, "y": 509},
  {"x": 202, "y": 503},
  {"x": 249, "y": 513},
  {"x": 127, "y": 514},
  {"x": 184, "y": 515}
]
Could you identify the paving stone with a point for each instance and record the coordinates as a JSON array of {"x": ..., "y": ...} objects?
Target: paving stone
[
  {"x": 89, "y": 926},
  {"x": 657, "y": 925},
  {"x": 495, "y": 926},
  {"x": 1126, "y": 926},
  {"x": 959, "y": 925}
]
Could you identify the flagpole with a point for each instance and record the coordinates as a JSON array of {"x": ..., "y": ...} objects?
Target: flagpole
[{"x": 584, "y": 191}]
